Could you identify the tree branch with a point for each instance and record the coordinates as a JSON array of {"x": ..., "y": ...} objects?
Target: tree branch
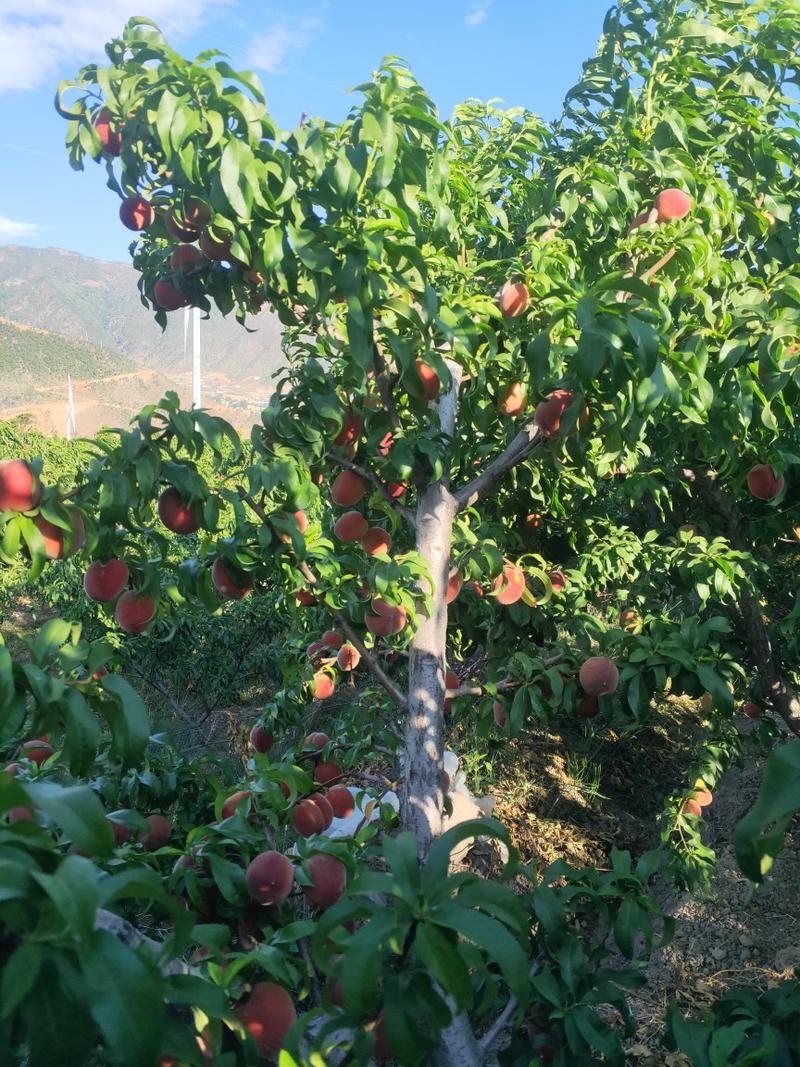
[
  {"x": 127, "y": 933},
  {"x": 384, "y": 385},
  {"x": 484, "y": 483},
  {"x": 375, "y": 668},
  {"x": 505, "y": 1016}
]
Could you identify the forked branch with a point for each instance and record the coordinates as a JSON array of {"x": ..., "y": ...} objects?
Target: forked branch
[{"x": 484, "y": 483}]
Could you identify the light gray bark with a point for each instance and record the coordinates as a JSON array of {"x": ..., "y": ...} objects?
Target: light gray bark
[{"x": 421, "y": 792}]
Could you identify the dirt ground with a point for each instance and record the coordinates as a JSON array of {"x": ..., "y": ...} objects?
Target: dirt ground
[{"x": 573, "y": 798}]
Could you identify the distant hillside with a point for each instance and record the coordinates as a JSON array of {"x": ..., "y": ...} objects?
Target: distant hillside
[
  {"x": 62, "y": 313},
  {"x": 96, "y": 302}
]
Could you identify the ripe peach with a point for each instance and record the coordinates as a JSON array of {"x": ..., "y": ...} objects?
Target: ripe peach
[
  {"x": 588, "y": 707},
  {"x": 134, "y": 612},
  {"x": 672, "y": 204},
  {"x": 20, "y": 813},
  {"x": 376, "y": 542},
  {"x": 186, "y": 234},
  {"x": 455, "y": 582},
  {"x": 347, "y": 489},
  {"x": 316, "y": 740},
  {"x": 702, "y": 797},
  {"x": 328, "y": 880},
  {"x": 324, "y": 806},
  {"x": 351, "y": 431},
  {"x": 215, "y": 249},
  {"x": 348, "y": 657},
  {"x": 385, "y": 619},
  {"x": 341, "y": 800},
  {"x": 121, "y": 833},
  {"x": 110, "y": 139},
  {"x": 236, "y": 801},
  {"x": 513, "y": 299},
  {"x": 305, "y": 599},
  {"x": 350, "y": 527},
  {"x": 269, "y": 878},
  {"x": 751, "y": 710},
  {"x": 510, "y": 585},
  {"x": 103, "y": 582},
  {"x": 691, "y": 807},
  {"x": 269, "y": 1014},
  {"x": 327, "y": 772},
  {"x": 12, "y": 768},
  {"x": 395, "y": 490},
  {"x": 513, "y": 399},
  {"x": 322, "y": 686},
  {"x": 196, "y": 213},
  {"x": 159, "y": 833},
  {"x": 763, "y": 483},
  {"x": 36, "y": 751},
  {"x": 176, "y": 514},
  {"x": 428, "y": 379},
  {"x": 20, "y": 489},
  {"x": 261, "y": 740},
  {"x": 317, "y": 653},
  {"x": 549, "y": 411},
  {"x": 599, "y": 676},
  {"x": 136, "y": 213},
  {"x": 534, "y": 521},
  {"x": 168, "y": 296},
  {"x": 330, "y": 639},
  {"x": 558, "y": 580},
  {"x": 187, "y": 258},
  {"x": 628, "y": 620},
  {"x": 230, "y": 583},
  {"x": 499, "y": 713},
  {"x": 56, "y": 538},
  {"x": 307, "y": 818}
]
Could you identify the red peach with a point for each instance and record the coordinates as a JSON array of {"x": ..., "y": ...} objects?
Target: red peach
[
  {"x": 103, "y": 582},
  {"x": 135, "y": 611},
  {"x": 136, "y": 213},
  {"x": 20, "y": 489},
  {"x": 177, "y": 515}
]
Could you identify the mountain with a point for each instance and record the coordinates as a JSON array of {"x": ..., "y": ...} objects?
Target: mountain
[{"x": 63, "y": 313}]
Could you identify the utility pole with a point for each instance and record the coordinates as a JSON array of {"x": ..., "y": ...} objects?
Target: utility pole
[{"x": 70, "y": 410}]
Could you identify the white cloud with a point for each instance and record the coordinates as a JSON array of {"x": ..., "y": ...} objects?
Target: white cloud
[
  {"x": 476, "y": 16},
  {"x": 10, "y": 229},
  {"x": 39, "y": 37},
  {"x": 270, "y": 48}
]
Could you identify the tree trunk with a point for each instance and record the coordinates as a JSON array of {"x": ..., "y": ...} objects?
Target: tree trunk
[{"x": 421, "y": 789}]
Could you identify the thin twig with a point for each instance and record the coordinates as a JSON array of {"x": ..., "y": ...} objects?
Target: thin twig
[
  {"x": 518, "y": 450},
  {"x": 504, "y": 1018},
  {"x": 375, "y": 668},
  {"x": 382, "y": 381},
  {"x": 165, "y": 693}
]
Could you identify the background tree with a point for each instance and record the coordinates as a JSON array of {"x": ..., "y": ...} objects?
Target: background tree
[{"x": 536, "y": 424}]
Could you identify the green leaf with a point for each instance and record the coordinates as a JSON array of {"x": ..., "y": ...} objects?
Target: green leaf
[
  {"x": 20, "y": 971},
  {"x": 79, "y": 813},
  {"x": 129, "y": 723},
  {"x": 495, "y": 940},
  {"x": 441, "y": 957},
  {"x": 759, "y": 836},
  {"x": 125, "y": 997}
]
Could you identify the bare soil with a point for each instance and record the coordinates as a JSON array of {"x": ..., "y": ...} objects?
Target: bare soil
[{"x": 574, "y": 796}]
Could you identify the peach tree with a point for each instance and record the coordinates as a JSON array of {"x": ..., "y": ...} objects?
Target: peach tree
[{"x": 530, "y": 457}]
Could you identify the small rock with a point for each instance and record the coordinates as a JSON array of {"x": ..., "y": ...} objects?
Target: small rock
[
  {"x": 718, "y": 953},
  {"x": 745, "y": 939}
]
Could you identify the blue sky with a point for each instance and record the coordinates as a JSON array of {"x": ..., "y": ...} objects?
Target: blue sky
[{"x": 526, "y": 52}]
